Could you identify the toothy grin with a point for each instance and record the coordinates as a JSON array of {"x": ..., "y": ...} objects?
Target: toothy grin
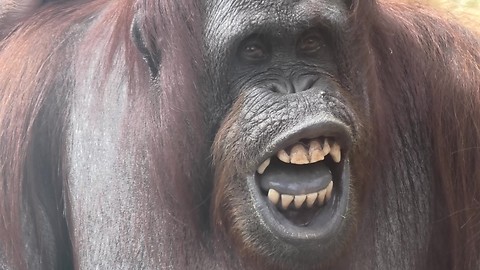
[
  {"x": 307, "y": 152},
  {"x": 299, "y": 180},
  {"x": 301, "y": 200}
]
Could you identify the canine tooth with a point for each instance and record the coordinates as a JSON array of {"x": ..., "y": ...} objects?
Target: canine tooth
[
  {"x": 321, "y": 196},
  {"x": 326, "y": 147},
  {"x": 329, "y": 189},
  {"x": 286, "y": 200},
  {"x": 311, "y": 199},
  {"x": 283, "y": 156},
  {"x": 299, "y": 199},
  {"x": 335, "y": 152},
  {"x": 315, "y": 151},
  {"x": 273, "y": 196},
  {"x": 264, "y": 165},
  {"x": 298, "y": 155}
]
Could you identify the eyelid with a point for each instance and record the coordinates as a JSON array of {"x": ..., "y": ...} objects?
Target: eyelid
[
  {"x": 253, "y": 48},
  {"x": 317, "y": 42}
]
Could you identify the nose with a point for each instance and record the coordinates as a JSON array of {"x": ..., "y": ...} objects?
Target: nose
[{"x": 295, "y": 85}]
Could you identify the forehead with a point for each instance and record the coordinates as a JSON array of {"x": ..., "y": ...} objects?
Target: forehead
[
  {"x": 228, "y": 21},
  {"x": 276, "y": 11},
  {"x": 225, "y": 17}
]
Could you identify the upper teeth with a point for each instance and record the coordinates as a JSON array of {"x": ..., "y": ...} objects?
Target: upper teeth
[
  {"x": 298, "y": 200},
  {"x": 300, "y": 153},
  {"x": 263, "y": 166}
]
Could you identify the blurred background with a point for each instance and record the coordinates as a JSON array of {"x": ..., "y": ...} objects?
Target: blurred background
[
  {"x": 469, "y": 6},
  {"x": 460, "y": 3},
  {"x": 466, "y": 11}
]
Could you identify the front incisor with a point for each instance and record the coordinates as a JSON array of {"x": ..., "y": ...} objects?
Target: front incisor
[
  {"x": 286, "y": 200},
  {"x": 298, "y": 155},
  {"x": 326, "y": 147},
  {"x": 315, "y": 151},
  {"x": 299, "y": 199}
]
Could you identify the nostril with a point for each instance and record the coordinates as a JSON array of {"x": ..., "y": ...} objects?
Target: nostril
[
  {"x": 304, "y": 83},
  {"x": 283, "y": 88},
  {"x": 299, "y": 84}
]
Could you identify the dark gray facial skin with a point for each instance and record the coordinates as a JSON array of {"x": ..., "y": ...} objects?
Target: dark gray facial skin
[
  {"x": 229, "y": 23},
  {"x": 275, "y": 67}
]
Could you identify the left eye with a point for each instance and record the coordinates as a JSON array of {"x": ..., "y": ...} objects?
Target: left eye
[
  {"x": 311, "y": 43},
  {"x": 253, "y": 51}
]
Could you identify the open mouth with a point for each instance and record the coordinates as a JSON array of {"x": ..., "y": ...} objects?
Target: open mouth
[{"x": 303, "y": 184}]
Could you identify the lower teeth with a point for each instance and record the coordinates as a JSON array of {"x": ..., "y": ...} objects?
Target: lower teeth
[{"x": 287, "y": 201}]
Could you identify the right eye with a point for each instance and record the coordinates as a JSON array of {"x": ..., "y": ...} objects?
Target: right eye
[
  {"x": 310, "y": 44},
  {"x": 254, "y": 50}
]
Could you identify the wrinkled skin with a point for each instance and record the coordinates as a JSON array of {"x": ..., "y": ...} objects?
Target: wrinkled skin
[{"x": 283, "y": 74}]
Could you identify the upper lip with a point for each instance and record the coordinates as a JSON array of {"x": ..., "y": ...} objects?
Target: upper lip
[{"x": 331, "y": 128}]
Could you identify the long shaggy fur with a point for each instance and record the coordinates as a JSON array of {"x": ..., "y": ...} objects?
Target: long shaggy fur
[
  {"x": 428, "y": 97},
  {"x": 40, "y": 77}
]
